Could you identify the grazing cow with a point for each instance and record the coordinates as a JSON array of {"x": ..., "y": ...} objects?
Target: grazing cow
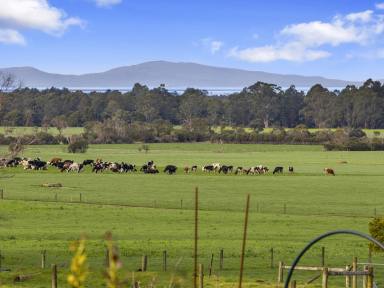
[
  {"x": 75, "y": 167},
  {"x": 151, "y": 170},
  {"x": 98, "y": 167},
  {"x": 194, "y": 168},
  {"x": 290, "y": 169},
  {"x": 35, "y": 164},
  {"x": 208, "y": 168},
  {"x": 54, "y": 161},
  {"x": 114, "y": 167},
  {"x": 278, "y": 169},
  {"x": 128, "y": 167},
  {"x": 239, "y": 170},
  {"x": 88, "y": 162},
  {"x": 226, "y": 169},
  {"x": 12, "y": 162},
  {"x": 187, "y": 169},
  {"x": 216, "y": 167},
  {"x": 262, "y": 169},
  {"x": 329, "y": 171},
  {"x": 170, "y": 169}
]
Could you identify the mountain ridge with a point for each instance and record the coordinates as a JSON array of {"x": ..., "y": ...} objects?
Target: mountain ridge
[{"x": 172, "y": 74}]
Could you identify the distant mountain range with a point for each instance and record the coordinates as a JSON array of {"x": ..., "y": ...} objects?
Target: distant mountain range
[{"x": 169, "y": 73}]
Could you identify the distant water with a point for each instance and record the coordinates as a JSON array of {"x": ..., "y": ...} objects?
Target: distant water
[{"x": 179, "y": 90}]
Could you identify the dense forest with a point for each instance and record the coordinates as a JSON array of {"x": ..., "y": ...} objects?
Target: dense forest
[{"x": 258, "y": 106}]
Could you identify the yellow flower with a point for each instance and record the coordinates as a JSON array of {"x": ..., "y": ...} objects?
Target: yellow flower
[{"x": 79, "y": 267}]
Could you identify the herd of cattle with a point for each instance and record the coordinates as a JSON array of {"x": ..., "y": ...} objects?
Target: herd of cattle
[{"x": 99, "y": 166}]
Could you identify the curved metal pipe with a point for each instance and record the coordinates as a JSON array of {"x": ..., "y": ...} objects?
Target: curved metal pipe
[{"x": 325, "y": 235}]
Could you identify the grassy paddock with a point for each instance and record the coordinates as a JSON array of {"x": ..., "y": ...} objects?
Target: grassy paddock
[
  {"x": 18, "y": 131},
  {"x": 145, "y": 215}
]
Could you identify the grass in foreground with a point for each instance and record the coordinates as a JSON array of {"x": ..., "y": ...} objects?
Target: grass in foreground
[{"x": 314, "y": 204}]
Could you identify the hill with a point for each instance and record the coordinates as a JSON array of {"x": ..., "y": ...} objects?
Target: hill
[{"x": 169, "y": 73}]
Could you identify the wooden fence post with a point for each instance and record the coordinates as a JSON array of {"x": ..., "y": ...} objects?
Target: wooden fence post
[
  {"x": 293, "y": 284},
  {"x": 54, "y": 276},
  {"x": 210, "y": 266},
  {"x": 347, "y": 277},
  {"x": 164, "y": 260},
  {"x": 365, "y": 277},
  {"x": 354, "y": 269},
  {"x": 244, "y": 240},
  {"x": 221, "y": 259},
  {"x": 1, "y": 194},
  {"x": 195, "y": 253},
  {"x": 280, "y": 275},
  {"x": 272, "y": 258},
  {"x": 144, "y": 263},
  {"x": 80, "y": 198},
  {"x": 43, "y": 258},
  {"x": 201, "y": 276},
  {"x": 325, "y": 278},
  {"x": 322, "y": 256},
  {"x": 370, "y": 277},
  {"x": 181, "y": 204}
]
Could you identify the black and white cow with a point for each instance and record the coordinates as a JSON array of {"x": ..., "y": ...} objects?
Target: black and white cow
[
  {"x": 278, "y": 169},
  {"x": 170, "y": 169}
]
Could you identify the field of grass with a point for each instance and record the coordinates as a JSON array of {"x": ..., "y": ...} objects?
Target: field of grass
[
  {"x": 17, "y": 131},
  {"x": 145, "y": 216}
]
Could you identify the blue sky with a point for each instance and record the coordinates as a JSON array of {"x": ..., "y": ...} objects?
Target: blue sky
[{"x": 340, "y": 38}]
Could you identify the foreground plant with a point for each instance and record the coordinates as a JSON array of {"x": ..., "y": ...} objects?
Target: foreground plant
[
  {"x": 113, "y": 264},
  {"x": 79, "y": 266}
]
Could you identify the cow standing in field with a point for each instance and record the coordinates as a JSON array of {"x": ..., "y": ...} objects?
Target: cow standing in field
[
  {"x": 216, "y": 167},
  {"x": 75, "y": 167},
  {"x": 194, "y": 168},
  {"x": 278, "y": 169},
  {"x": 208, "y": 168},
  {"x": 128, "y": 167},
  {"x": 54, "y": 161},
  {"x": 170, "y": 169},
  {"x": 88, "y": 162},
  {"x": 290, "y": 169},
  {"x": 329, "y": 171}
]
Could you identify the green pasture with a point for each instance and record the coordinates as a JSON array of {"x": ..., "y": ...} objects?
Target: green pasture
[
  {"x": 151, "y": 213},
  {"x": 18, "y": 131}
]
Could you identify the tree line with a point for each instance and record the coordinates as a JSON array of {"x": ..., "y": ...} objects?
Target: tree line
[{"x": 258, "y": 106}]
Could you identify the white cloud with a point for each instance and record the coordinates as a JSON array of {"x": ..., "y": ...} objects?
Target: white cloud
[
  {"x": 216, "y": 46},
  {"x": 36, "y": 14},
  {"x": 364, "y": 16},
  {"x": 304, "y": 41},
  {"x": 16, "y": 15},
  {"x": 107, "y": 3},
  {"x": 289, "y": 52},
  {"x": 9, "y": 36},
  {"x": 380, "y": 6},
  {"x": 213, "y": 46}
]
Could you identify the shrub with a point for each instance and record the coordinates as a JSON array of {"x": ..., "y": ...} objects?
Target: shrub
[
  {"x": 78, "y": 146},
  {"x": 376, "y": 229}
]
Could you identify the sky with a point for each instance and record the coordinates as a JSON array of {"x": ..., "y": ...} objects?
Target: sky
[{"x": 341, "y": 39}]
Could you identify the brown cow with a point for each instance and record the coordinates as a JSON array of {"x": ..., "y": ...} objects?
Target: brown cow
[
  {"x": 329, "y": 171},
  {"x": 55, "y": 161},
  {"x": 186, "y": 169}
]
